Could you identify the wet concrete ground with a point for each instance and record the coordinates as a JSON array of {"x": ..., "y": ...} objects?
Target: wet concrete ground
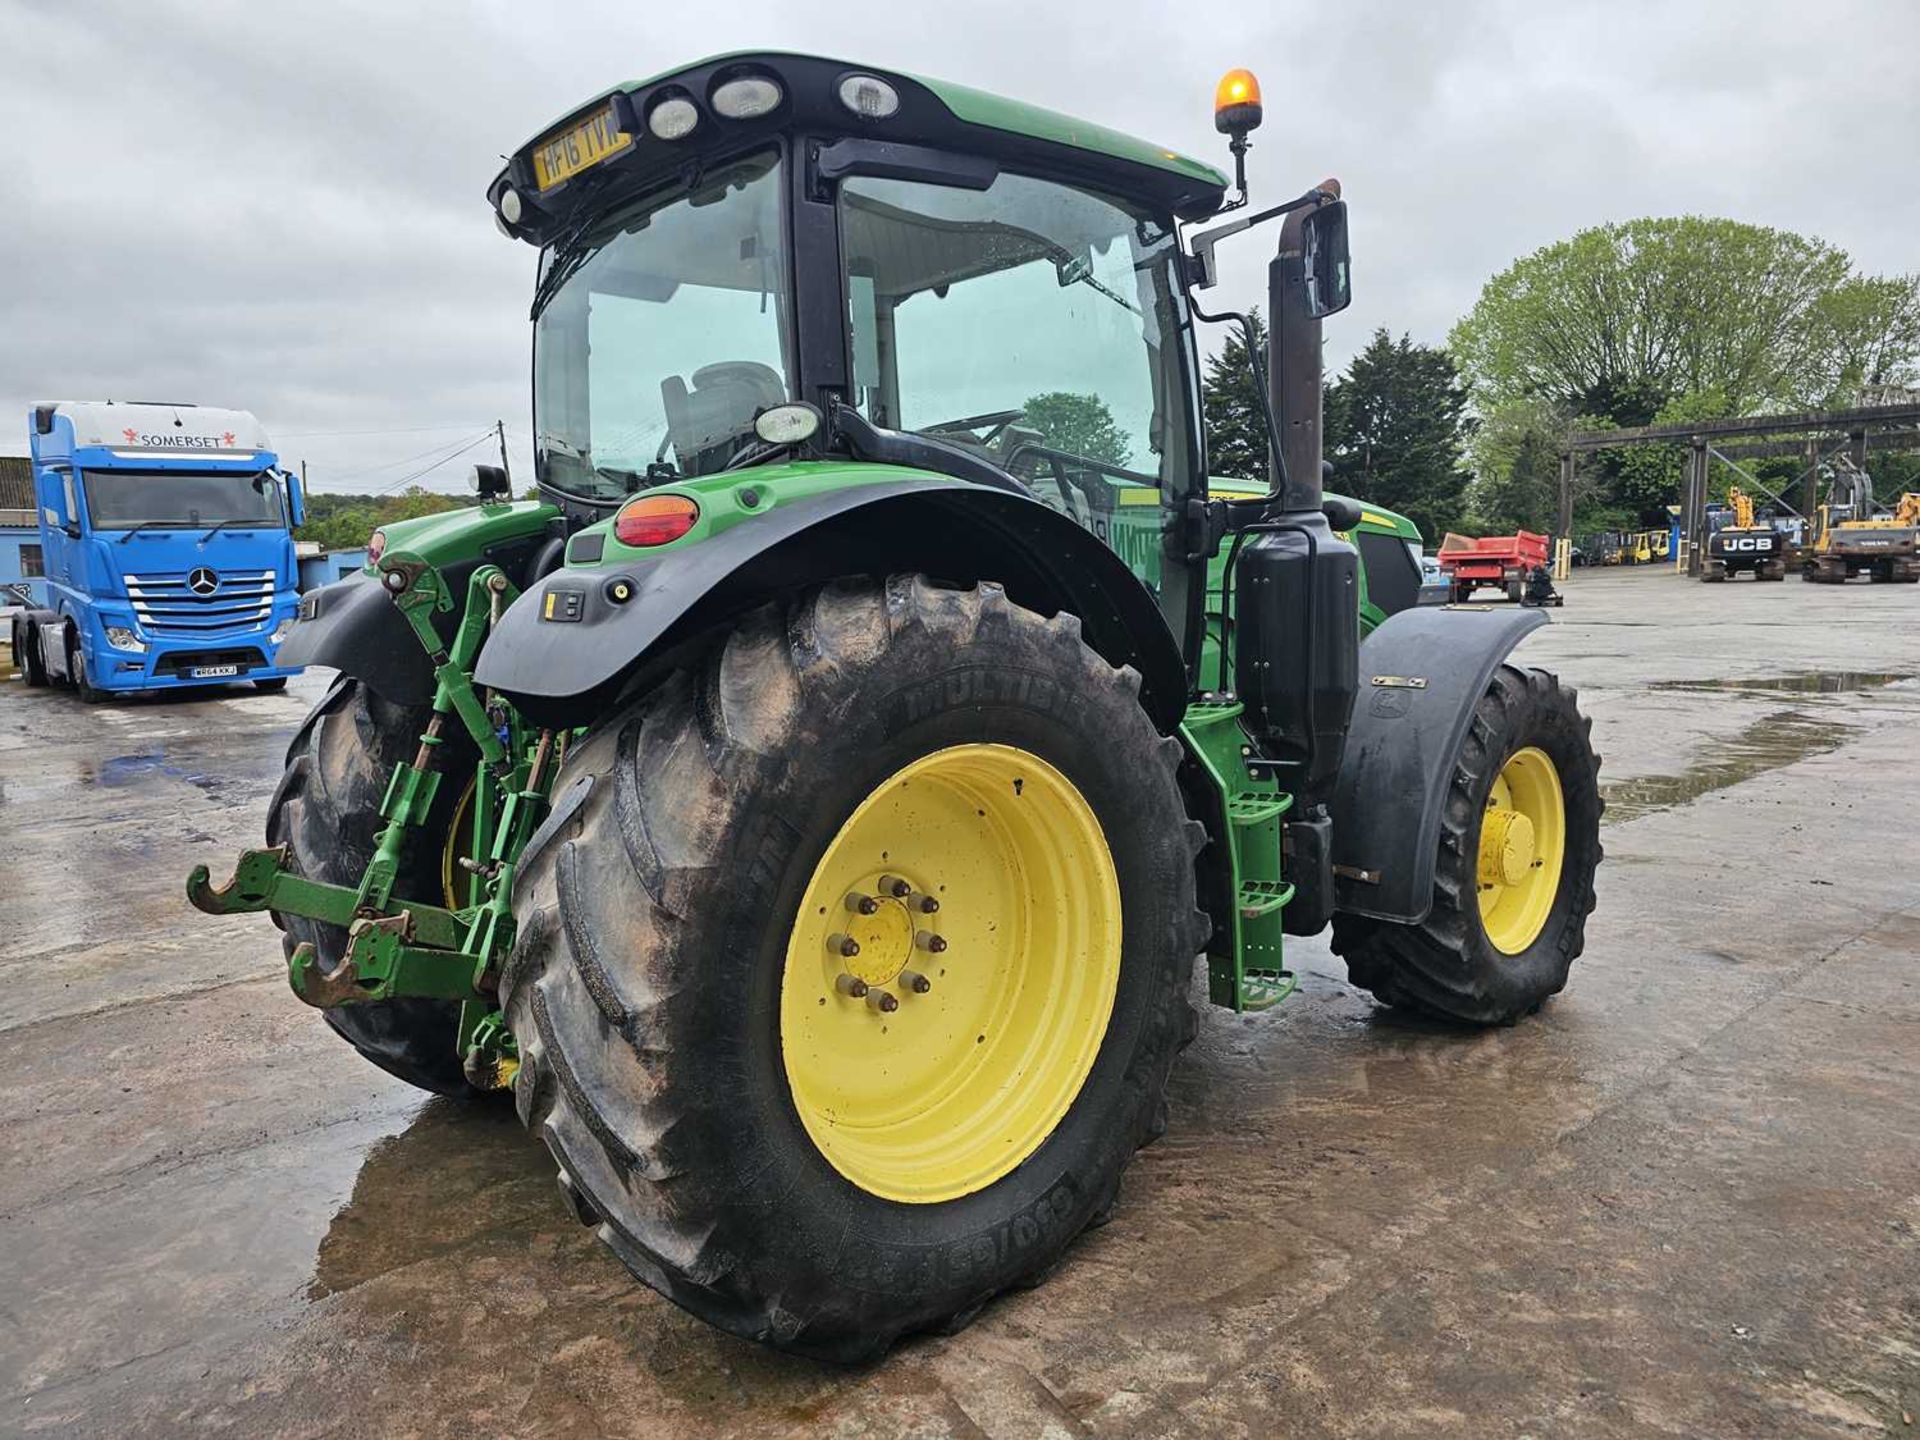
[{"x": 1683, "y": 1200}]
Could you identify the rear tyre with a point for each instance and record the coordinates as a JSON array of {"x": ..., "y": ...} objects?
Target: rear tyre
[
  {"x": 1515, "y": 589},
  {"x": 1513, "y": 880},
  {"x": 326, "y": 810},
  {"x": 790, "y": 1160},
  {"x": 27, "y": 658}
]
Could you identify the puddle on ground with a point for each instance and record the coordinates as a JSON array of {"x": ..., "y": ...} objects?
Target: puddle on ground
[
  {"x": 1767, "y": 744},
  {"x": 1809, "y": 682}
]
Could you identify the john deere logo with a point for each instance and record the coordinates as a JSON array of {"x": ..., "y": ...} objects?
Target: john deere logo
[{"x": 203, "y": 581}]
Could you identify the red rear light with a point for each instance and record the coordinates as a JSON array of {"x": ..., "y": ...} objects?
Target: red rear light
[
  {"x": 376, "y": 546},
  {"x": 654, "y": 519}
]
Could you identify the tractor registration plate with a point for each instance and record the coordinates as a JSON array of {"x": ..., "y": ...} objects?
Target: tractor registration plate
[
  {"x": 213, "y": 672},
  {"x": 579, "y": 147}
]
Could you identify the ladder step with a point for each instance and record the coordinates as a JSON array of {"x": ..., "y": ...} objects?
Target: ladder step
[
  {"x": 1252, "y": 807},
  {"x": 1263, "y": 897}
]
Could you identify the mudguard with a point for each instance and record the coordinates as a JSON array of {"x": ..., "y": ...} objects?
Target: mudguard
[
  {"x": 564, "y": 662},
  {"x": 1421, "y": 674},
  {"x": 353, "y": 626}
]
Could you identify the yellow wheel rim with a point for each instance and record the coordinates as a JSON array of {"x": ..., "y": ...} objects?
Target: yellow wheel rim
[
  {"x": 1523, "y": 845},
  {"x": 929, "y": 1051}
]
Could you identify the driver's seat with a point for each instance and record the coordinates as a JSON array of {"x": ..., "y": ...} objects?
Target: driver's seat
[{"x": 717, "y": 410}]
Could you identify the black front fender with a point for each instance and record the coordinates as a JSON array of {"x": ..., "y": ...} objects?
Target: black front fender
[
  {"x": 1421, "y": 674},
  {"x": 354, "y": 626},
  {"x": 566, "y": 671}
]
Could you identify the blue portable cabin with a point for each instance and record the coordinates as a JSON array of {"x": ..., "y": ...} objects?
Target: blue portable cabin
[{"x": 166, "y": 540}]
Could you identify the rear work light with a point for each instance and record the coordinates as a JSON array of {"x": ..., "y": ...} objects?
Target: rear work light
[{"x": 654, "y": 519}]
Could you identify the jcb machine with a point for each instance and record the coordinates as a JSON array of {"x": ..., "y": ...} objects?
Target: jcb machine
[
  {"x": 1740, "y": 544},
  {"x": 813, "y": 806},
  {"x": 1848, "y": 538}
]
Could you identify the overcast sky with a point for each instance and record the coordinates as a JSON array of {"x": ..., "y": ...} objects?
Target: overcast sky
[{"x": 277, "y": 206}]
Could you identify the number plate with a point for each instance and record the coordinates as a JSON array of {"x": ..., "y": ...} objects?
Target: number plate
[
  {"x": 579, "y": 148},
  {"x": 213, "y": 672}
]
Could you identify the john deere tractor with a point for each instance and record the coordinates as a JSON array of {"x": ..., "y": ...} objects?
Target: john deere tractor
[{"x": 814, "y": 805}]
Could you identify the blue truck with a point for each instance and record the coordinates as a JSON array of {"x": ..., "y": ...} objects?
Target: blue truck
[{"x": 167, "y": 539}]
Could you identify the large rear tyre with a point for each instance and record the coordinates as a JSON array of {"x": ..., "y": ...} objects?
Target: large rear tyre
[
  {"x": 1513, "y": 880},
  {"x": 796, "y": 1099},
  {"x": 326, "y": 810}
]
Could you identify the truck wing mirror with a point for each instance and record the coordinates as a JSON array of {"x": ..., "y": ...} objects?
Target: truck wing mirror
[
  {"x": 296, "y": 502},
  {"x": 1324, "y": 257}
]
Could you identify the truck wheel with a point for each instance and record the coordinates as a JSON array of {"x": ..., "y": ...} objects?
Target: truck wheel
[
  {"x": 326, "y": 810},
  {"x": 1515, "y": 589},
  {"x": 27, "y": 658},
  {"x": 273, "y": 685},
  {"x": 851, "y": 985},
  {"x": 1513, "y": 881},
  {"x": 77, "y": 670}
]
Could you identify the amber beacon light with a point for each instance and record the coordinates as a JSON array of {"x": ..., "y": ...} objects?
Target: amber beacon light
[{"x": 1236, "y": 103}]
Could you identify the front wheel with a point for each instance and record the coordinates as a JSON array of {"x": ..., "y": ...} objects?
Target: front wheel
[
  {"x": 89, "y": 693},
  {"x": 273, "y": 685},
  {"x": 1513, "y": 879},
  {"x": 855, "y": 978}
]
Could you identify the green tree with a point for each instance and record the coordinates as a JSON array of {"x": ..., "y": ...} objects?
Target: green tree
[
  {"x": 1078, "y": 424},
  {"x": 1621, "y": 319},
  {"x": 1396, "y": 428},
  {"x": 1237, "y": 443},
  {"x": 1524, "y": 494},
  {"x": 347, "y": 522}
]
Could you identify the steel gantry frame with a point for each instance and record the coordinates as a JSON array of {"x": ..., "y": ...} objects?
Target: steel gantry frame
[{"x": 1819, "y": 435}]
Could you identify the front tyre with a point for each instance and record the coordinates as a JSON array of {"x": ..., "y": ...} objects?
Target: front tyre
[
  {"x": 1513, "y": 879},
  {"x": 854, "y": 980},
  {"x": 83, "y": 686}
]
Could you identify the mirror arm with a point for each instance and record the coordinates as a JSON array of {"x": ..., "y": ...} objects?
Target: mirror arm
[{"x": 1203, "y": 275}]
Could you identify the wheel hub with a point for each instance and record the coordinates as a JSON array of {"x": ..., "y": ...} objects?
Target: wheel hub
[
  {"x": 885, "y": 939},
  {"x": 1506, "y": 848}
]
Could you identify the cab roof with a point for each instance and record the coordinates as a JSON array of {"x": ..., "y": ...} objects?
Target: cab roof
[
  {"x": 153, "y": 429},
  {"x": 934, "y": 113}
]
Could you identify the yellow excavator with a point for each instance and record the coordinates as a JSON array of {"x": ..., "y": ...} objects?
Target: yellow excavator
[
  {"x": 1738, "y": 542},
  {"x": 1849, "y": 538}
]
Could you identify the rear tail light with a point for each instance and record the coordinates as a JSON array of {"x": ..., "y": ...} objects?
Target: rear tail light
[{"x": 654, "y": 519}]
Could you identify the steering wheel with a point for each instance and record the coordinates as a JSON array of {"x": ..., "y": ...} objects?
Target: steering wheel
[{"x": 995, "y": 422}]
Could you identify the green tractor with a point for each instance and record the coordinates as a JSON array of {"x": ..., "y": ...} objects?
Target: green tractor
[{"x": 813, "y": 807}]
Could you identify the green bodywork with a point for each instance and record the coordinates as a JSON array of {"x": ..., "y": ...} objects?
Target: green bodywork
[{"x": 976, "y": 107}]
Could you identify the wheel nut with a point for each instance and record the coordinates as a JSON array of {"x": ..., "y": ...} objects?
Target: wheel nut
[
  {"x": 882, "y": 1002},
  {"x": 915, "y": 981},
  {"x": 893, "y": 885},
  {"x": 927, "y": 904},
  {"x": 931, "y": 943},
  {"x": 851, "y": 986},
  {"x": 862, "y": 904},
  {"x": 843, "y": 944}
]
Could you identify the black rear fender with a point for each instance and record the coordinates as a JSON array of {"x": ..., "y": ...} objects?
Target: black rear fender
[
  {"x": 562, "y": 671},
  {"x": 1421, "y": 675}
]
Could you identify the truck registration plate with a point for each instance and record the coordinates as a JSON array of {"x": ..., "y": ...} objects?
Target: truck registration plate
[
  {"x": 579, "y": 148},
  {"x": 213, "y": 672}
]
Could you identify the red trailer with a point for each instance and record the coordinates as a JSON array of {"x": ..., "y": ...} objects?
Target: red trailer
[{"x": 1470, "y": 561}]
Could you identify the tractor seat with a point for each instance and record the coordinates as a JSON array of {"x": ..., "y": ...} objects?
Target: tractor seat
[{"x": 717, "y": 410}]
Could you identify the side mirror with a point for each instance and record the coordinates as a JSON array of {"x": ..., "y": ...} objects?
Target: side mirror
[
  {"x": 1324, "y": 258},
  {"x": 490, "y": 483},
  {"x": 296, "y": 502}
]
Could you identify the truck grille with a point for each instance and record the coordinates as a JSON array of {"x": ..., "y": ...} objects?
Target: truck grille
[{"x": 172, "y": 605}]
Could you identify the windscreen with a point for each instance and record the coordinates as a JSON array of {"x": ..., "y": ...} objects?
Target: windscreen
[
  {"x": 661, "y": 334},
  {"x": 122, "y": 499}
]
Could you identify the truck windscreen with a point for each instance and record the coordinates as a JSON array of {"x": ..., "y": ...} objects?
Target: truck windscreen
[{"x": 123, "y": 499}]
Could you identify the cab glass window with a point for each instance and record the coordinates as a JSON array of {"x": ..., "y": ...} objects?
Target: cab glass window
[{"x": 1036, "y": 323}]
